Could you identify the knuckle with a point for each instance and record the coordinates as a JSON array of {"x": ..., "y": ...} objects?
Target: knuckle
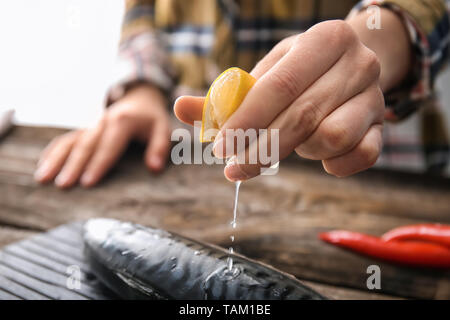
[
  {"x": 336, "y": 137},
  {"x": 285, "y": 82},
  {"x": 287, "y": 42},
  {"x": 369, "y": 154},
  {"x": 295, "y": 40},
  {"x": 379, "y": 101},
  {"x": 375, "y": 100},
  {"x": 304, "y": 119},
  {"x": 371, "y": 63},
  {"x": 336, "y": 33},
  {"x": 340, "y": 33},
  {"x": 380, "y": 96},
  {"x": 118, "y": 116}
]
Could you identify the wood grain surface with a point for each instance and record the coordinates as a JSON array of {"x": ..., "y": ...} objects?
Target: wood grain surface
[{"x": 279, "y": 216}]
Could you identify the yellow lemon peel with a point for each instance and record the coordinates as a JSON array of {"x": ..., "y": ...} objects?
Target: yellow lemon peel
[{"x": 224, "y": 97}]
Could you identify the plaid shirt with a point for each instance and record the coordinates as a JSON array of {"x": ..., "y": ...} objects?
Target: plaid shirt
[{"x": 182, "y": 46}]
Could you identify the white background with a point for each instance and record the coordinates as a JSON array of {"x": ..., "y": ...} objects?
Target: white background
[{"x": 57, "y": 56}]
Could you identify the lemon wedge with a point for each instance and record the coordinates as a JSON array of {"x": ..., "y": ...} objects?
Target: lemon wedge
[{"x": 224, "y": 97}]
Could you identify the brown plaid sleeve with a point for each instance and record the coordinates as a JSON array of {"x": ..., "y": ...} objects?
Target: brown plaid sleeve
[{"x": 142, "y": 56}]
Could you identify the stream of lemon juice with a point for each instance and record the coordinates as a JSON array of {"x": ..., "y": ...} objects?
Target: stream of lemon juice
[{"x": 233, "y": 223}]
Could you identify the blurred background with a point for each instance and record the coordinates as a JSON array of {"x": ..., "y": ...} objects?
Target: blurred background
[{"x": 57, "y": 59}]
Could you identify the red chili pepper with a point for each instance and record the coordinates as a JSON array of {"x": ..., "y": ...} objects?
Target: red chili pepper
[
  {"x": 436, "y": 233},
  {"x": 412, "y": 253}
]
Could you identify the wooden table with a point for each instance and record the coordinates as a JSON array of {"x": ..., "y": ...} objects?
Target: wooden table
[{"x": 279, "y": 216}]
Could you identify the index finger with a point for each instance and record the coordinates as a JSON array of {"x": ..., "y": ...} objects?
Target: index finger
[
  {"x": 269, "y": 60},
  {"x": 303, "y": 64}
]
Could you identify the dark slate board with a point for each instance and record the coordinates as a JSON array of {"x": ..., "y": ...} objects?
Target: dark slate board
[{"x": 38, "y": 268}]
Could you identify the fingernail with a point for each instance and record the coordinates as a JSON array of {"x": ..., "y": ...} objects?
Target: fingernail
[
  {"x": 233, "y": 171},
  {"x": 61, "y": 179},
  {"x": 41, "y": 171},
  {"x": 176, "y": 102},
  {"x": 156, "y": 162},
  {"x": 87, "y": 179},
  {"x": 218, "y": 146}
]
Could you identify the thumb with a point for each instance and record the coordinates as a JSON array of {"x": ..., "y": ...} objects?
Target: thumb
[{"x": 189, "y": 109}]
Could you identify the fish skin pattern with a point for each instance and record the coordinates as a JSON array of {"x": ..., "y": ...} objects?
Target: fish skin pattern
[{"x": 138, "y": 262}]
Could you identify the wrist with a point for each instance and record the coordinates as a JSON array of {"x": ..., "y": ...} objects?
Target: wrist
[
  {"x": 143, "y": 94},
  {"x": 391, "y": 44},
  {"x": 146, "y": 90}
]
